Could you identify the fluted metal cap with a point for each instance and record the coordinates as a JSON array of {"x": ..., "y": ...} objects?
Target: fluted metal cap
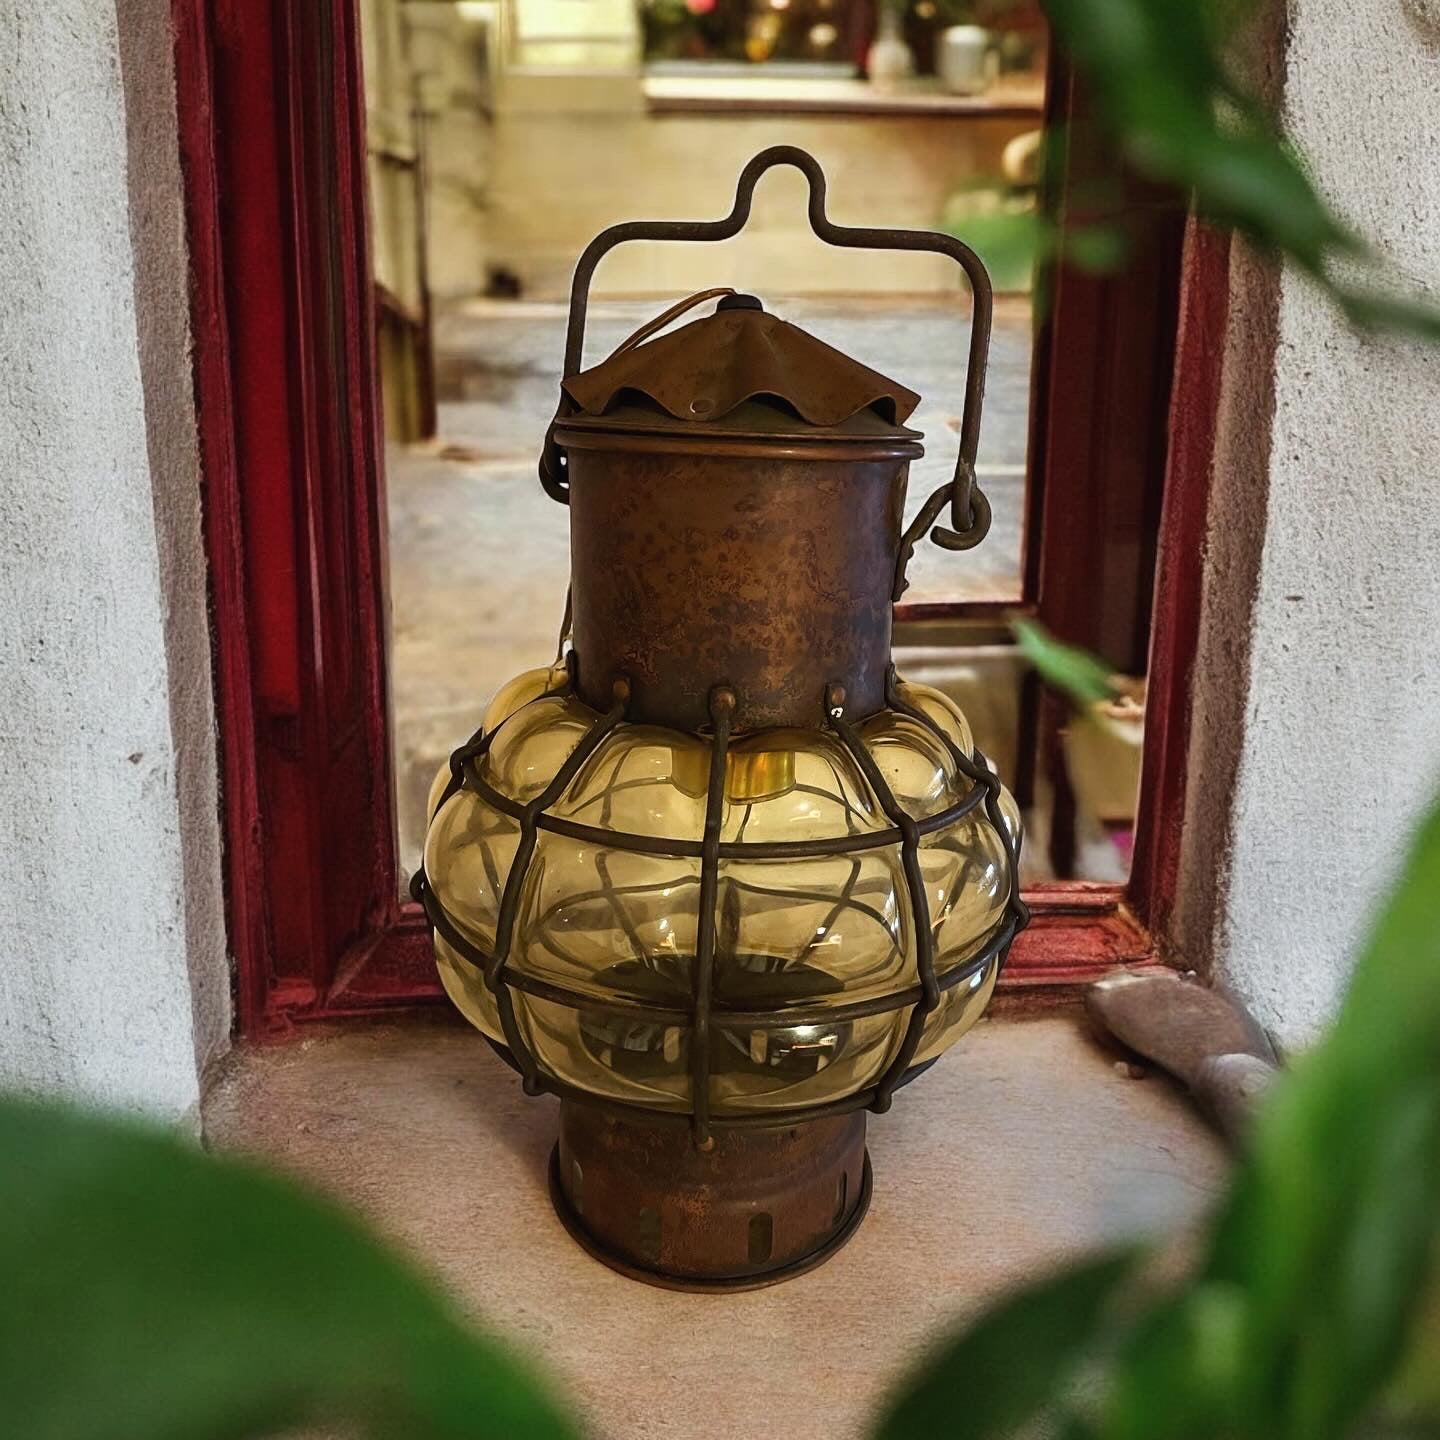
[{"x": 740, "y": 371}]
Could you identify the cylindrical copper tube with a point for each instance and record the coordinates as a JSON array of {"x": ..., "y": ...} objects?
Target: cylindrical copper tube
[
  {"x": 757, "y": 1206},
  {"x": 722, "y": 562}
]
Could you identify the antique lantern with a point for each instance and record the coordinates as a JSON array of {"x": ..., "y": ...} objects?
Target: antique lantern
[{"x": 722, "y": 881}]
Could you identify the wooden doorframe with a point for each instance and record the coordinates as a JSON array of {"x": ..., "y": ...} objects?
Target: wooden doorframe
[
  {"x": 271, "y": 123},
  {"x": 289, "y": 417}
]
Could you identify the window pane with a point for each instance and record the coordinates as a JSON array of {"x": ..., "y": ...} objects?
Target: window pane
[{"x": 504, "y": 136}]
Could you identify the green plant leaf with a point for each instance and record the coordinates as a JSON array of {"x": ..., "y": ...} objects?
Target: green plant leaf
[
  {"x": 1163, "y": 91},
  {"x": 1414, "y": 1390},
  {"x": 1179, "y": 1371},
  {"x": 1013, "y": 243},
  {"x": 1010, "y": 242},
  {"x": 153, "y": 1292},
  {"x": 1322, "y": 1250},
  {"x": 1014, "y": 1363},
  {"x": 1096, "y": 249},
  {"x": 1073, "y": 672},
  {"x": 1372, "y": 310},
  {"x": 1313, "y": 1309},
  {"x": 1343, "y": 1212}
]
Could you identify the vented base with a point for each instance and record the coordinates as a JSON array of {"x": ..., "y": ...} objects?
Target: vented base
[{"x": 759, "y": 1207}]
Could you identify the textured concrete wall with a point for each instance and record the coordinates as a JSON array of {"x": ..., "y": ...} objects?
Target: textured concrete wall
[
  {"x": 1317, "y": 697},
  {"x": 113, "y": 977}
]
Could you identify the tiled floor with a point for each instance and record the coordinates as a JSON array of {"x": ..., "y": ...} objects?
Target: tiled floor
[
  {"x": 479, "y": 557},
  {"x": 1024, "y": 1146}
]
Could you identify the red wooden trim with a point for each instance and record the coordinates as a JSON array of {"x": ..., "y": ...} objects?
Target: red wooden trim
[
  {"x": 1077, "y": 933},
  {"x": 1099, "y": 407},
  {"x": 367, "y": 441},
  {"x": 1194, "y": 408},
  {"x": 234, "y": 681},
  {"x": 272, "y": 127},
  {"x": 397, "y": 970},
  {"x": 1104, "y": 361}
]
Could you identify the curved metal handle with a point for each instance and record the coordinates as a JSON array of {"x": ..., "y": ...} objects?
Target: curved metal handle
[{"x": 969, "y": 513}]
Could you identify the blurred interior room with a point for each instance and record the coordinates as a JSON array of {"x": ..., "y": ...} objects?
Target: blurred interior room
[{"x": 504, "y": 134}]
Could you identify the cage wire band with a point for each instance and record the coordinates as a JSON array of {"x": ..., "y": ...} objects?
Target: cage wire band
[{"x": 922, "y": 998}]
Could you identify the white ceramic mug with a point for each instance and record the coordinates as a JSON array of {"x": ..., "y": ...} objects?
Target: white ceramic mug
[{"x": 969, "y": 59}]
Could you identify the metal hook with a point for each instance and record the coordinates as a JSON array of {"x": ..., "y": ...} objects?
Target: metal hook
[{"x": 969, "y": 512}]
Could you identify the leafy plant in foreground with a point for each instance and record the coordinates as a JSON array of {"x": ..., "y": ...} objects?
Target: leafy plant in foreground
[
  {"x": 1167, "y": 96},
  {"x": 149, "y": 1291},
  {"x": 1311, "y": 1311},
  {"x": 156, "y": 1293},
  {"x": 1077, "y": 674}
]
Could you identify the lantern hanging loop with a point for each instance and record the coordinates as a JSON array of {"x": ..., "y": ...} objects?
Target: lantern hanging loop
[{"x": 969, "y": 510}]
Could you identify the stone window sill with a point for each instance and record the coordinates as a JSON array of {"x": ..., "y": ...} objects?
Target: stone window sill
[{"x": 1024, "y": 1146}]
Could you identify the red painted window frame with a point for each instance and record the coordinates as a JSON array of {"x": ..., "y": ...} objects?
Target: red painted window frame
[{"x": 272, "y": 139}]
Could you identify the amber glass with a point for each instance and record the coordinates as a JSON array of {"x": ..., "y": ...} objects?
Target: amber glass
[
  {"x": 609, "y": 923},
  {"x": 941, "y": 709},
  {"x": 642, "y": 781},
  {"x": 466, "y": 987},
  {"x": 605, "y": 936},
  {"x": 468, "y": 857},
  {"x": 534, "y": 743},
  {"x": 514, "y": 694},
  {"x": 468, "y": 853}
]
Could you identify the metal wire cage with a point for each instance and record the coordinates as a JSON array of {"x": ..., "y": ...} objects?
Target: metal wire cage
[{"x": 619, "y": 967}]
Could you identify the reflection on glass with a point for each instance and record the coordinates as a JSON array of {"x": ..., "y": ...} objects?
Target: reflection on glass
[
  {"x": 517, "y": 693},
  {"x": 468, "y": 854},
  {"x": 609, "y": 922},
  {"x": 532, "y": 745},
  {"x": 642, "y": 780},
  {"x": 466, "y": 987}
]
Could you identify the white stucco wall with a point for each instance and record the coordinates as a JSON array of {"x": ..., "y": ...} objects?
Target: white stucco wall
[
  {"x": 1316, "y": 737},
  {"x": 113, "y": 975}
]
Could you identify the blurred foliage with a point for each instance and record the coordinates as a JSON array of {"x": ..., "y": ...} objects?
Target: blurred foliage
[
  {"x": 1165, "y": 94},
  {"x": 149, "y": 1291},
  {"x": 1015, "y": 240},
  {"x": 152, "y": 1292},
  {"x": 1077, "y": 674},
  {"x": 1311, "y": 1310},
  {"x": 1018, "y": 239}
]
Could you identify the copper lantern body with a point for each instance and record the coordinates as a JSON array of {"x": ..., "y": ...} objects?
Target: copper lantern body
[{"x": 722, "y": 880}]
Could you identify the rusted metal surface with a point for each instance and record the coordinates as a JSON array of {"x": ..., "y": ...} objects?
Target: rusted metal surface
[
  {"x": 769, "y": 575},
  {"x": 703, "y": 371},
  {"x": 736, "y": 492},
  {"x": 757, "y": 1206}
]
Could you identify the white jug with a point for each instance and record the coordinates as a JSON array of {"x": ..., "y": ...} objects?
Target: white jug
[{"x": 969, "y": 59}]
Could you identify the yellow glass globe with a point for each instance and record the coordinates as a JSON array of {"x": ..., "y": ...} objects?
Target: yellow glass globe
[{"x": 604, "y": 938}]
